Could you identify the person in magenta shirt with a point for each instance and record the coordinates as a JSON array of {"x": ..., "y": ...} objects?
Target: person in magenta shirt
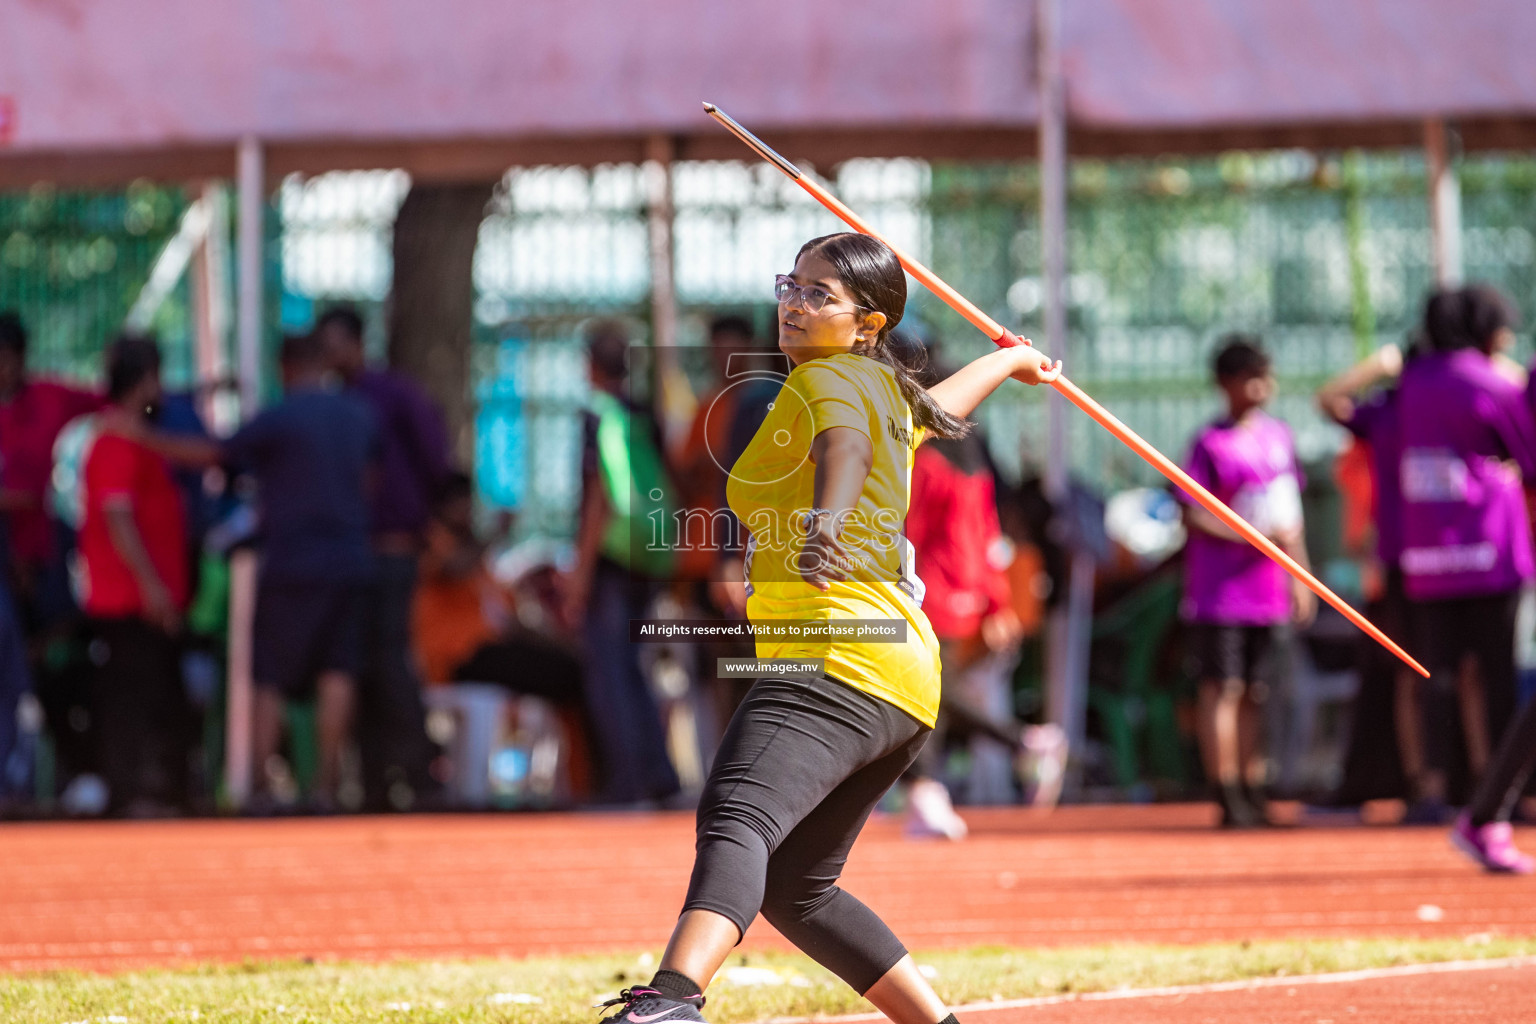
[
  {"x": 1355, "y": 400},
  {"x": 1235, "y": 598},
  {"x": 1483, "y": 831},
  {"x": 1469, "y": 443},
  {"x": 32, "y": 412}
]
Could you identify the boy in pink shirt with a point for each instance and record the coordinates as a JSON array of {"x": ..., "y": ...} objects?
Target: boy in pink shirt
[{"x": 1235, "y": 598}]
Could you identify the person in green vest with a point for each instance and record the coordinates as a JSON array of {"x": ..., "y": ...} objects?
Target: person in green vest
[{"x": 623, "y": 547}]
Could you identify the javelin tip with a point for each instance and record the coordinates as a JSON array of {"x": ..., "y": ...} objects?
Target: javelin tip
[{"x": 762, "y": 148}]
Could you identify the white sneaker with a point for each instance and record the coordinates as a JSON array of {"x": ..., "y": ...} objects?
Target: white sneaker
[
  {"x": 1042, "y": 764},
  {"x": 930, "y": 813}
]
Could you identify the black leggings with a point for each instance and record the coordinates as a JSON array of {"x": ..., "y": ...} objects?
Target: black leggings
[
  {"x": 1483, "y": 627},
  {"x": 1508, "y": 770},
  {"x": 800, "y": 768}
]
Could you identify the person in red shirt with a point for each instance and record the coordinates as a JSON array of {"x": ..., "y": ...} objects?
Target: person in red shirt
[
  {"x": 962, "y": 560},
  {"x": 32, "y": 412},
  {"x": 135, "y": 589}
]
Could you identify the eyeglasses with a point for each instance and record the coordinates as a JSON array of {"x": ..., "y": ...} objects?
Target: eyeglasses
[{"x": 810, "y": 298}]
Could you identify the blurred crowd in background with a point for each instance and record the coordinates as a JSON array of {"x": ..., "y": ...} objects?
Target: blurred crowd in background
[
  {"x": 410, "y": 648},
  {"x": 380, "y": 586}
]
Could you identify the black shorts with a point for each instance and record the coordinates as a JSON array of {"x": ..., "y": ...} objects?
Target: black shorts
[
  {"x": 1393, "y": 612},
  {"x": 303, "y": 629},
  {"x": 1214, "y": 651},
  {"x": 1483, "y": 626}
]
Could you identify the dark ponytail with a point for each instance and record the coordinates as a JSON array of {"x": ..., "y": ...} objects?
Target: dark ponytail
[
  {"x": 873, "y": 275},
  {"x": 1488, "y": 313},
  {"x": 1445, "y": 321},
  {"x": 1468, "y": 317}
]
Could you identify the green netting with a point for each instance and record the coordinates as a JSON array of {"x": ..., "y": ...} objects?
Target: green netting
[
  {"x": 72, "y": 263},
  {"x": 1323, "y": 255}
]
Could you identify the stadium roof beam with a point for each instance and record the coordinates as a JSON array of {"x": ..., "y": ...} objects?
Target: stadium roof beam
[
  {"x": 475, "y": 159},
  {"x": 103, "y": 93}
]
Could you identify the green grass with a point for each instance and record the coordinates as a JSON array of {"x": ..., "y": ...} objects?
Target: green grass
[{"x": 503, "y": 991}]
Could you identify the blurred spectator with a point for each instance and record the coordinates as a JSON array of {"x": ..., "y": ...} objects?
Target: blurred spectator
[
  {"x": 135, "y": 590},
  {"x": 699, "y": 461},
  {"x": 756, "y": 379},
  {"x": 313, "y": 455},
  {"x": 1492, "y": 320},
  {"x": 1385, "y": 750},
  {"x": 611, "y": 583},
  {"x": 952, "y": 523},
  {"x": 458, "y": 605},
  {"x": 467, "y": 629},
  {"x": 15, "y": 683},
  {"x": 709, "y": 563},
  {"x": 413, "y": 462},
  {"x": 1028, "y": 582},
  {"x": 1235, "y": 598},
  {"x": 1468, "y": 440},
  {"x": 32, "y": 413},
  {"x": 177, "y": 414},
  {"x": 962, "y": 556},
  {"x": 1483, "y": 830}
]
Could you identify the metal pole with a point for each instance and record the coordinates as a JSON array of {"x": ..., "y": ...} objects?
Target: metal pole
[
  {"x": 252, "y": 213},
  {"x": 658, "y": 155},
  {"x": 253, "y": 206},
  {"x": 210, "y": 294},
  {"x": 1053, "y": 218},
  {"x": 670, "y": 394},
  {"x": 1444, "y": 204},
  {"x": 1067, "y": 629}
]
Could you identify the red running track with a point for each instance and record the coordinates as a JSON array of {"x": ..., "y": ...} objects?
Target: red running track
[
  {"x": 111, "y": 896},
  {"x": 1480, "y": 994}
]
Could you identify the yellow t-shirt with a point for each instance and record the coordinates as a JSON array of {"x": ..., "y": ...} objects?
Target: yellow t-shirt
[{"x": 772, "y": 484}]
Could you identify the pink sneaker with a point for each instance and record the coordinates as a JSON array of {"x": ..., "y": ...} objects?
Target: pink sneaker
[
  {"x": 1492, "y": 846},
  {"x": 1041, "y": 763},
  {"x": 930, "y": 813}
]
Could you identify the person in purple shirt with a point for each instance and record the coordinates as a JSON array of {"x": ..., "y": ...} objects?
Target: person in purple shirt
[
  {"x": 1483, "y": 831},
  {"x": 1235, "y": 598},
  {"x": 1468, "y": 442},
  {"x": 1355, "y": 400},
  {"x": 413, "y": 463}
]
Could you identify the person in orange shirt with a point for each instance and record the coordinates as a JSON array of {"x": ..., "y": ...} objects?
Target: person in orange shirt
[{"x": 465, "y": 624}]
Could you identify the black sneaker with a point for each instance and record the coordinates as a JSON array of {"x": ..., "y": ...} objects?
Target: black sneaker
[
  {"x": 648, "y": 1006},
  {"x": 1236, "y": 811}
]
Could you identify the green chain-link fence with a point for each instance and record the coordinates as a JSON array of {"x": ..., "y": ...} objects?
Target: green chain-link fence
[
  {"x": 73, "y": 263},
  {"x": 1324, "y": 255}
]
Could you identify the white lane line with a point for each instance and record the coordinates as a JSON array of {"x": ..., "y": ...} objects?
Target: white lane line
[{"x": 1283, "y": 981}]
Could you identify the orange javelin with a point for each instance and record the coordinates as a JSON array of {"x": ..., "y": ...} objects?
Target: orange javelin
[{"x": 992, "y": 329}]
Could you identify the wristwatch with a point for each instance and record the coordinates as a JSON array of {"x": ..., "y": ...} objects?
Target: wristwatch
[{"x": 808, "y": 518}]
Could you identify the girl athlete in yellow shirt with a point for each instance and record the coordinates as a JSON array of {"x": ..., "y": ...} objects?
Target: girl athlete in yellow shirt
[{"x": 822, "y": 488}]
